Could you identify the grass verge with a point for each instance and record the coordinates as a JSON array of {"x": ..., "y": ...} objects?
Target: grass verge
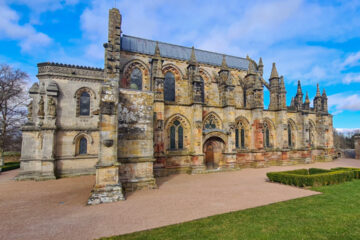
[{"x": 334, "y": 214}]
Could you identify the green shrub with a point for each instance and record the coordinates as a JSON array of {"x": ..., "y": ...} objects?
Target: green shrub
[
  {"x": 317, "y": 177},
  {"x": 10, "y": 166},
  {"x": 317, "y": 170}
]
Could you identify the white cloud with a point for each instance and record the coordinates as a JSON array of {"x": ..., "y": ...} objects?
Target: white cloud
[
  {"x": 29, "y": 39},
  {"x": 344, "y": 101},
  {"x": 40, "y": 6},
  {"x": 351, "y": 78},
  {"x": 352, "y": 60}
]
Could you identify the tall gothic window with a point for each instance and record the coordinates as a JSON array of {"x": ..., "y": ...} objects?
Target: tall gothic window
[
  {"x": 202, "y": 89},
  {"x": 266, "y": 133},
  {"x": 240, "y": 136},
  {"x": 136, "y": 79},
  {"x": 84, "y": 104},
  {"x": 176, "y": 136},
  {"x": 290, "y": 143},
  {"x": 169, "y": 87},
  {"x": 82, "y": 146}
]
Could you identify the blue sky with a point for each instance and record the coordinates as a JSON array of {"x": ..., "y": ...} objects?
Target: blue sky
[{"x": 311, "y": 41}]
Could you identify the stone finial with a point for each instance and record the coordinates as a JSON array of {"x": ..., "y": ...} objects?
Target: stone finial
[
  {"x": 299, "y": 91},
  {"x": 307, "y": 100},
  {"x": 324, "y": 93},
  {"x": 317, "y": 91},
  {"x": 282, "y": 83},
  {"x": 192, "y": 56},
  {"x": 261, "y": 62},
  {"x": 223, "y": 63},
  {"x": 274, "y": 73},
  {"x": 157, "y": 50},
  {"x": 251, "y": 67}
]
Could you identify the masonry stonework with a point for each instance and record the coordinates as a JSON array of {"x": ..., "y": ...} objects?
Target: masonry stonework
[{"x": 158, "y": 109}]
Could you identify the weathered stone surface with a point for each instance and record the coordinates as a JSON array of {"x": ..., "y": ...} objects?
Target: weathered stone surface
[{"x": 217, "y": 121}]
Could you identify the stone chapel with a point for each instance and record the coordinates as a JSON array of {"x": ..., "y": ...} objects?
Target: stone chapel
[{"x": 157, "y": 109}]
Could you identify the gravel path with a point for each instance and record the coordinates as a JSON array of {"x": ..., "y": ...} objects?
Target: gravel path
[{"x": 56, "y": 209}]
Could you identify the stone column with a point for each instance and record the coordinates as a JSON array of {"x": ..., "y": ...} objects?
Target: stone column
[{"x": 357, "y": 147}]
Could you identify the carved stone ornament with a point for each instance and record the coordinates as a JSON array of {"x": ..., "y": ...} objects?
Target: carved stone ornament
[
  {"x": 107, "y": 108},
  {"x": 41, "y": 111},
  {"x": 30, "y": 110},
  {"x": 51, "y": 107},
  {"x": 108, "y": 142}
]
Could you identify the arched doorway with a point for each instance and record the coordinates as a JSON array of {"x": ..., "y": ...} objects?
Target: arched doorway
[{"x": 213, "y": 150}]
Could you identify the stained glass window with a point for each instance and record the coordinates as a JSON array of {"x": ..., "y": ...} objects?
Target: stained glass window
[
  {"x": 136, "y": 79},
  {"x": 83, "y": 146},
  {"x": 180, "y": 137},
  {"x": 236, "y": 138},
  {"x": 242, "y": 138},
  {"x": 169, "y": 87},
  {"x": 84, "y": 104},
  {"x": 172, "y": 137},
  {"x": 202, "y": 89},
  {"x": 176, "y": 136},
  {"x": 267, "y": 137}
]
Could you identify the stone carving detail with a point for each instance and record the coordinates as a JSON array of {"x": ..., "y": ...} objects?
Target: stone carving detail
[
  {"x": 30, "y": 111},
  {"x": 51, "y": 108},
  {"x": 41, "y": 111}
]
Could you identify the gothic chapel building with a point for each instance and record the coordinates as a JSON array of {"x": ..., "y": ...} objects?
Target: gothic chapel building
[{"x": 158, "y": 109}]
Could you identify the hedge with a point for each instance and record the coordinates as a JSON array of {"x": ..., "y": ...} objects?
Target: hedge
[
  {"x": 356, "y": 171},
  {"x": 301, "y": 178},
  {"x": 10, "y": 166}
]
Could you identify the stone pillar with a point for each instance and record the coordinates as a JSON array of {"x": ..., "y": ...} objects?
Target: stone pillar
[
  {"x": 108, "y": 187},
  {"x": 357, "y": 147},
  {"x": 197, "y": 157},
  {"x": 136, "y": 139}
]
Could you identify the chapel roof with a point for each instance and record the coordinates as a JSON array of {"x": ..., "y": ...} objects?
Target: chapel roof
[{"x": 145, "y": 46}]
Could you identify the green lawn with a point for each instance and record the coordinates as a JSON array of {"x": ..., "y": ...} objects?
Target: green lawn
[{"x": 335, "y": 214}]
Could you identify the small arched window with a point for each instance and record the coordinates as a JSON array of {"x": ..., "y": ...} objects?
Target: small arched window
[
  {"x": 290, "y": 143},
  {"x": 169, "y": 87},
  {"x": 84, "y": 104},
  {"x": 176, "y": 136},
  {"x": 240, "y": 136},
  {"x": 266, "y": 133},
  {"x": 136, "y": 79},
  {"x": 82, "y": 146}
]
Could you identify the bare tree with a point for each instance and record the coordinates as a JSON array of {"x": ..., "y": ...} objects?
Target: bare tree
[{"x": 13, "y": 99}]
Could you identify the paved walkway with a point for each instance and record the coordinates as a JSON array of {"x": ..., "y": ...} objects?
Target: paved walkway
[{"x": 56, "y": 209}]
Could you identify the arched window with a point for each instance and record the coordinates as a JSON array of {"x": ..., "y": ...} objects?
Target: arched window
[
  {"x": 266, "y": 133},
  {"x": 176, "y": 136},
  {"x": 82, "y": 146},
  {"x": 136, "y": 79},
  {"x": 290, "y": 143},
  {"x": 311, "y": 135},
  {"x": 202, "y": 89},
  {"x": 84, "y": 104},
  {"x": 169, "y": 87},
  {"x": 240, "y": 136}
]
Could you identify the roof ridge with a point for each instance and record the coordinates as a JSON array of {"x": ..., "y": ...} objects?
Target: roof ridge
[
  {"x": 69, "y": 65},
  {"x": 177, "y": 45}
]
